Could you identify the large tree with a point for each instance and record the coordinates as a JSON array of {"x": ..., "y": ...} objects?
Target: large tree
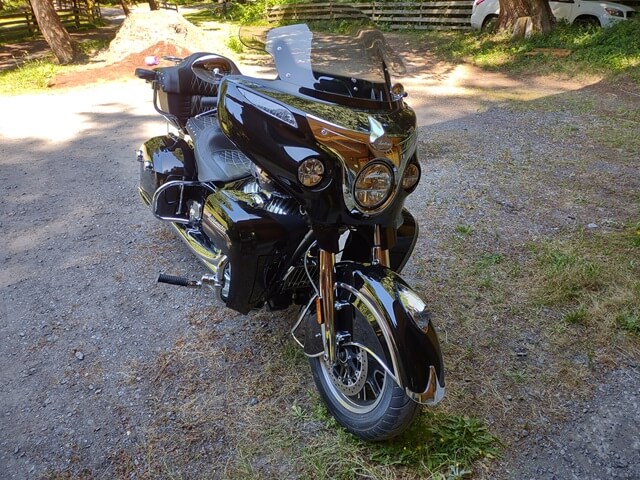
[
  {"x": 532, "y": 15},
  {"x": 63, "y": 46}
]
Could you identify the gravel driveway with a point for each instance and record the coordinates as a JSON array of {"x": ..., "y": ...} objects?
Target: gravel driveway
[
  {"x": 79, "y": 256},
  {"x": 79, "y": 304}
]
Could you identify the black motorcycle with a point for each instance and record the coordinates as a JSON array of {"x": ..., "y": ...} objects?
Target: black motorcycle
[{"x": 291, "y": 191}]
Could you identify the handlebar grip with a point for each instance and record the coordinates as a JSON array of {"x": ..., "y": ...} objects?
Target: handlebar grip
[
  {"x": 148, "y": 75},
  {"x": 209, "y": 102},
  {"x": 174, "y": 280}
]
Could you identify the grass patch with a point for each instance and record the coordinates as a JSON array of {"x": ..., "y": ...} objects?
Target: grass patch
[
  {"x": 234, "y": 44},
  {"x": 438, "y": 445},
  {"x": 92, "y": 46},
  {"x": 592, "y": 51},
  {"x": 629, "y": 321},
  {"x": 598, "y": 272},
  {"x": 31, "y": 76},
  {"x": 36, "y": 75},
  {"x": 463, "y": 231}
]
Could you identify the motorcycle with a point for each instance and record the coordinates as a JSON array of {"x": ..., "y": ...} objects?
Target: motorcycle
[{"x": 291, "y": 191}]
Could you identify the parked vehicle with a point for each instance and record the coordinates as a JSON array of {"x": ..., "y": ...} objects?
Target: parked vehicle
[
  {"x": 484, "y": 13},
  {"x": 291, "y": 191}
]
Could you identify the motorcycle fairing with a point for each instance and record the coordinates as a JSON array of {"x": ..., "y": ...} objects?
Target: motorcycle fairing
[
  {"x": 399, "y": 319},
  {"x": 279, "y": 148}
]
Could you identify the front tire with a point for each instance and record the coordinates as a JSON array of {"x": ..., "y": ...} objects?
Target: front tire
[{"x": 359, "y": 393}]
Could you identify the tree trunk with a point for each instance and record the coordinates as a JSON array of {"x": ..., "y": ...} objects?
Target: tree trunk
[
  {"x": 125, "y": 7},
  {"x": 91, "y": 10},
  {"x": 63, "y": 46},
  {"x": 153, "y": 5},
  {"x": 539, "y": 11}
]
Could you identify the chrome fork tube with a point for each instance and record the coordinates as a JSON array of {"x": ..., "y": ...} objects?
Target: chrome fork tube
[
  {"x": 380, "y": 255},
  {"x": 326, "y": 304}
]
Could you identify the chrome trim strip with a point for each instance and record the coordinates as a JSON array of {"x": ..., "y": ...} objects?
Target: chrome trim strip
[
  {"x": 432, "y": 394},
  {"x": 379, "y": 254},
  {"x": 303, "y": 313},
  {"x": 386, "y": 332}
]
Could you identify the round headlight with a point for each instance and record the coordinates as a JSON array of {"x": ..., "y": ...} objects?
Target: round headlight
[
  {"x": 411, "y": 176},
  {"x": 373, "y": 185},
  {"x": 310, "y": 172}
]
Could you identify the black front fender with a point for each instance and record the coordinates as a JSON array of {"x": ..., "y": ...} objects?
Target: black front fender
[{"x": 400, "y": 319}]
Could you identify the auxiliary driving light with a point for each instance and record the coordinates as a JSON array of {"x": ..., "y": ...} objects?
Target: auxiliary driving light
[
  {"x": 411, "y": 176},
  {"x": 310, "y": 172}
]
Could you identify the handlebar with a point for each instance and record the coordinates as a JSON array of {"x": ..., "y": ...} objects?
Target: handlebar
[{"x": 148, "y": 75}]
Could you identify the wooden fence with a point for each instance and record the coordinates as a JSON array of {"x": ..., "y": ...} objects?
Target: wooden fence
[
  {"x": 22, "y": 23},
  {"x": 312, "y": 12},
  {"x": 429, "y": 14}
]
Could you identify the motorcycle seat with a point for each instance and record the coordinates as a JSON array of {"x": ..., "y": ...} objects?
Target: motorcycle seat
[
  {"x": 217, "y": 158},
  {"x": 182, "y": 94}
]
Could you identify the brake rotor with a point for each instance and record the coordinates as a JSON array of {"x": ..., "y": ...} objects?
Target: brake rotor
[{"x": 349, "y": 374}]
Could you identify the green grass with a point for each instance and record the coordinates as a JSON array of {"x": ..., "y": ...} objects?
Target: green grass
[
  {"x": 463, "y": 230},
  {"x": 599, "y": 273},
  {"x": 629, "y": 321},
  {"x": 613, "y": 50},
  {"x": 31, "y": 76},
  {"x": 438, "y": 445},
  {"x": 35, "y": 75}
]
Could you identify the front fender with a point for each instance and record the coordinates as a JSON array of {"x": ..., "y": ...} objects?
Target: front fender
[{"x": 400, "y": 319}]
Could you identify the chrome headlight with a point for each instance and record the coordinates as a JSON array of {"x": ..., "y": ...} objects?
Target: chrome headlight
[{"x": 373, "y": 185}]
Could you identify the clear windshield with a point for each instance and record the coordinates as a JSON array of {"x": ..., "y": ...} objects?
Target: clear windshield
[{"x": 307, "y": 58}]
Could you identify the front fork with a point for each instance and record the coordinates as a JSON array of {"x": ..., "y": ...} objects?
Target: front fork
[{"x": 326, "y": 304}]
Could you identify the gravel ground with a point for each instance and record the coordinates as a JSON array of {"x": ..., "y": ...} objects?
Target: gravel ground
[{"x": 79, "y": 307}]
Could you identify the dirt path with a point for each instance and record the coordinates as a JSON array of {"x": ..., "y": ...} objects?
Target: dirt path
[{"x": 82, "y": 316}]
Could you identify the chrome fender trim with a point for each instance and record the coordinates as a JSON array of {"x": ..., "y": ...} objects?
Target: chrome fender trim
[{"x": 416, "y": 360}]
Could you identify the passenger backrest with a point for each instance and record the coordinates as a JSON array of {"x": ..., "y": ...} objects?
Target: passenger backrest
[{"x": 180, "y": 91}]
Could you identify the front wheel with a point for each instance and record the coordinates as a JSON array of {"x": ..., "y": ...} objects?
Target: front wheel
[{"x": 357, "y": 390}]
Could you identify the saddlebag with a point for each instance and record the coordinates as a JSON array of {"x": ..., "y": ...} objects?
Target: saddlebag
[{"x": 162, "y": 159}]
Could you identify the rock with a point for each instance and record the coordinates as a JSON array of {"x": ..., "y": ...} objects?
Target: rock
[
  {"x": 79, "y": 355},
  {"x": 592, "y": 225}
]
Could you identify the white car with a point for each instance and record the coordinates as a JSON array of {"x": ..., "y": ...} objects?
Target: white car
[{"x": 485, "y": 13}]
